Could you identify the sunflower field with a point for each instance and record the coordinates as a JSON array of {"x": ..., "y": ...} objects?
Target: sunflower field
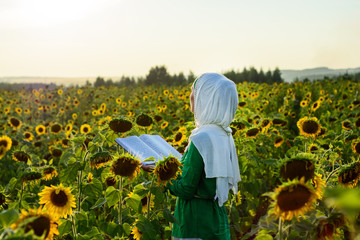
[{"x": 64, "y": 177}]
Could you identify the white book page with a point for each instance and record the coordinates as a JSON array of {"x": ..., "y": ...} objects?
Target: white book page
[
  {"x": 137, "y": 148},
  {"x": 162, "y": 147}
]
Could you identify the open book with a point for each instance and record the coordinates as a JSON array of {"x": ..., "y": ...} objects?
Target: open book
[{"x": 147, "y": 146}]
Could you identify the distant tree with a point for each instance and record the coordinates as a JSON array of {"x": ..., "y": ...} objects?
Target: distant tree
[
  {"x": 190, "y": 77},
  {"x": 109, "y": 83},
  {"x": 99, "y": 82},
  {"x": 253, "y": 75},
  {"x": 158, "y": 75},
  {"x": 276, "y": 78}
]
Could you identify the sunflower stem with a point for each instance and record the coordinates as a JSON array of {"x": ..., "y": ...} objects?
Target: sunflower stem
[
  {"x": 79, "y": 189},
  {"x": 21, "y": 194},
  {"x": 73, "y": 226},
  {"x": 149, "y": 199},
  {"x": 280, "y": 228},
  {"x": 120, "y": 201}
]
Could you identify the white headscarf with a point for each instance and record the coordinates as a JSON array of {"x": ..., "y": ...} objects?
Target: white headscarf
[{"x": 215, "y": 104}]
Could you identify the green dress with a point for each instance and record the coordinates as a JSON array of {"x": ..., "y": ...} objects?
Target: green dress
[{"x": 198, "y": 214}]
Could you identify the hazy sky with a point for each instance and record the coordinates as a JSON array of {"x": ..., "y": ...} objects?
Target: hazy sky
[{"x": 81, "y": 38}]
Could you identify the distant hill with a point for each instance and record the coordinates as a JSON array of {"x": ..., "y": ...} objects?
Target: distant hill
[{"x": 315, "y": 73}]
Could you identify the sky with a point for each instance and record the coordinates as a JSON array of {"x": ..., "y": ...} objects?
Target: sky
[{"x": 83, "y": 38}]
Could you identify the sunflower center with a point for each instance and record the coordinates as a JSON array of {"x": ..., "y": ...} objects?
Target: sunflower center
[
  {"x": 124, "y": 167},
  {"x": 357, "y": 148},
  {"x": 14, "y": 122},
  {"x": 48, "y": 170},
  {"x": 252, "y": 132},
  {"x": 241, "y": 104},
  {"x": 85, "y": 129},
  {"x": 348, "y": 176},
  {"x": 178, "y": 137},
  {"x": 293, "y": 198},
  {"x": 144, "y": 120},
  {"x": 298, "y": 169},
  {"x": 39, "y": 225},
  {"x": 347, "y": 125},
  {"x": 119, "y": 125},
  {"x": 110, "y": 181},
  {"x": 60, "y": 199},
  {"x": 27, "y": 135},
  {"x": 168, "y": 171},
  {"x": 21, "y": 157},
  {"x": 3, "y": 143},
  {"x": 310, "y": 127},
  {"x": 278, "y": 140},
  {"x": 56, "y": 152},
  {"x": 144, "y": 201},
  {"x": 41, "y": 129},
  {"x": 55, "y": 128}
]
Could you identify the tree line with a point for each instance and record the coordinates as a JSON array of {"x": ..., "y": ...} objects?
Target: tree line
[{"x": 159, "y": 75}]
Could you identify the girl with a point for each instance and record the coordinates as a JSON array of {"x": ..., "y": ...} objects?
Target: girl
[{"x": 210, "y": 164}]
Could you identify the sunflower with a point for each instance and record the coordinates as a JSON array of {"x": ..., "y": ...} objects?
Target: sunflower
[
  {"x": 40, "y": 222},
  {"x": 265, "y": 124},
  {"x": 90, "y": 177},
  {"x": 31, "y": 176},
  {"x": 2, "y": 152},
  {"x": 349, "y": 175},
  {"x": 137, "y": 234},
  {"x": 346, "y": 125},
  {"x": 65, "y": 142},
  {"x": 3, "y": 201},
  {"x": 118, "y": 100},
  {"x": 164, "y": 124},
  {"x": 304, "y": 103},
  {"x": 252, "y": 133},
  {"x": 49, "y": 173},
  {"x": 40, "y": 129},
  {"x": 278, "y": 141},
  {"x": 58, "y": 200},
  {"x": 309, "y": 127},
  {"x": 313, "y": 148},
  {"x": 242, "y": 104},
  {"x": 76, "y": 102},
  {"x": 110, "y": 181},
  {"x": 298, "y": 167},
  {"x": 144, "y": 120},
  {"x": 144, "y": 204},
  {"x": 357, "y": 123},
  {"x": 6, "y": 143},
  {"x": 18, "y": 110},
  {"x": 126, "y": 166},
  {"x": 20, "y": 156},
  {"x": 319, "y": 185},
  {"x": 315, "y": 106},
  {"x": 99, "y": 159},
  {"x": 123, "y": 104},
  {"x": 167, "y": 169},
  {"x": 279, "y": 122},
  {"x": 85, "y": 129},
  {"x": 293, "y": 199},
  {"x": 28, "y": 136},
  {"x": 55, "y": 128},
  {"x": 356, "y": 147},
  {"x": 120, "y": 125},
  {"x": 60, "y": 91},
  {"x": 15, "y": 123},
  {"x": 55, "y": 152},
  {"x": 179, "y": 138}
]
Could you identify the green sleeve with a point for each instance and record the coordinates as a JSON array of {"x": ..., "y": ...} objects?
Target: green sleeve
[{"x": 186, "y": 185}]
